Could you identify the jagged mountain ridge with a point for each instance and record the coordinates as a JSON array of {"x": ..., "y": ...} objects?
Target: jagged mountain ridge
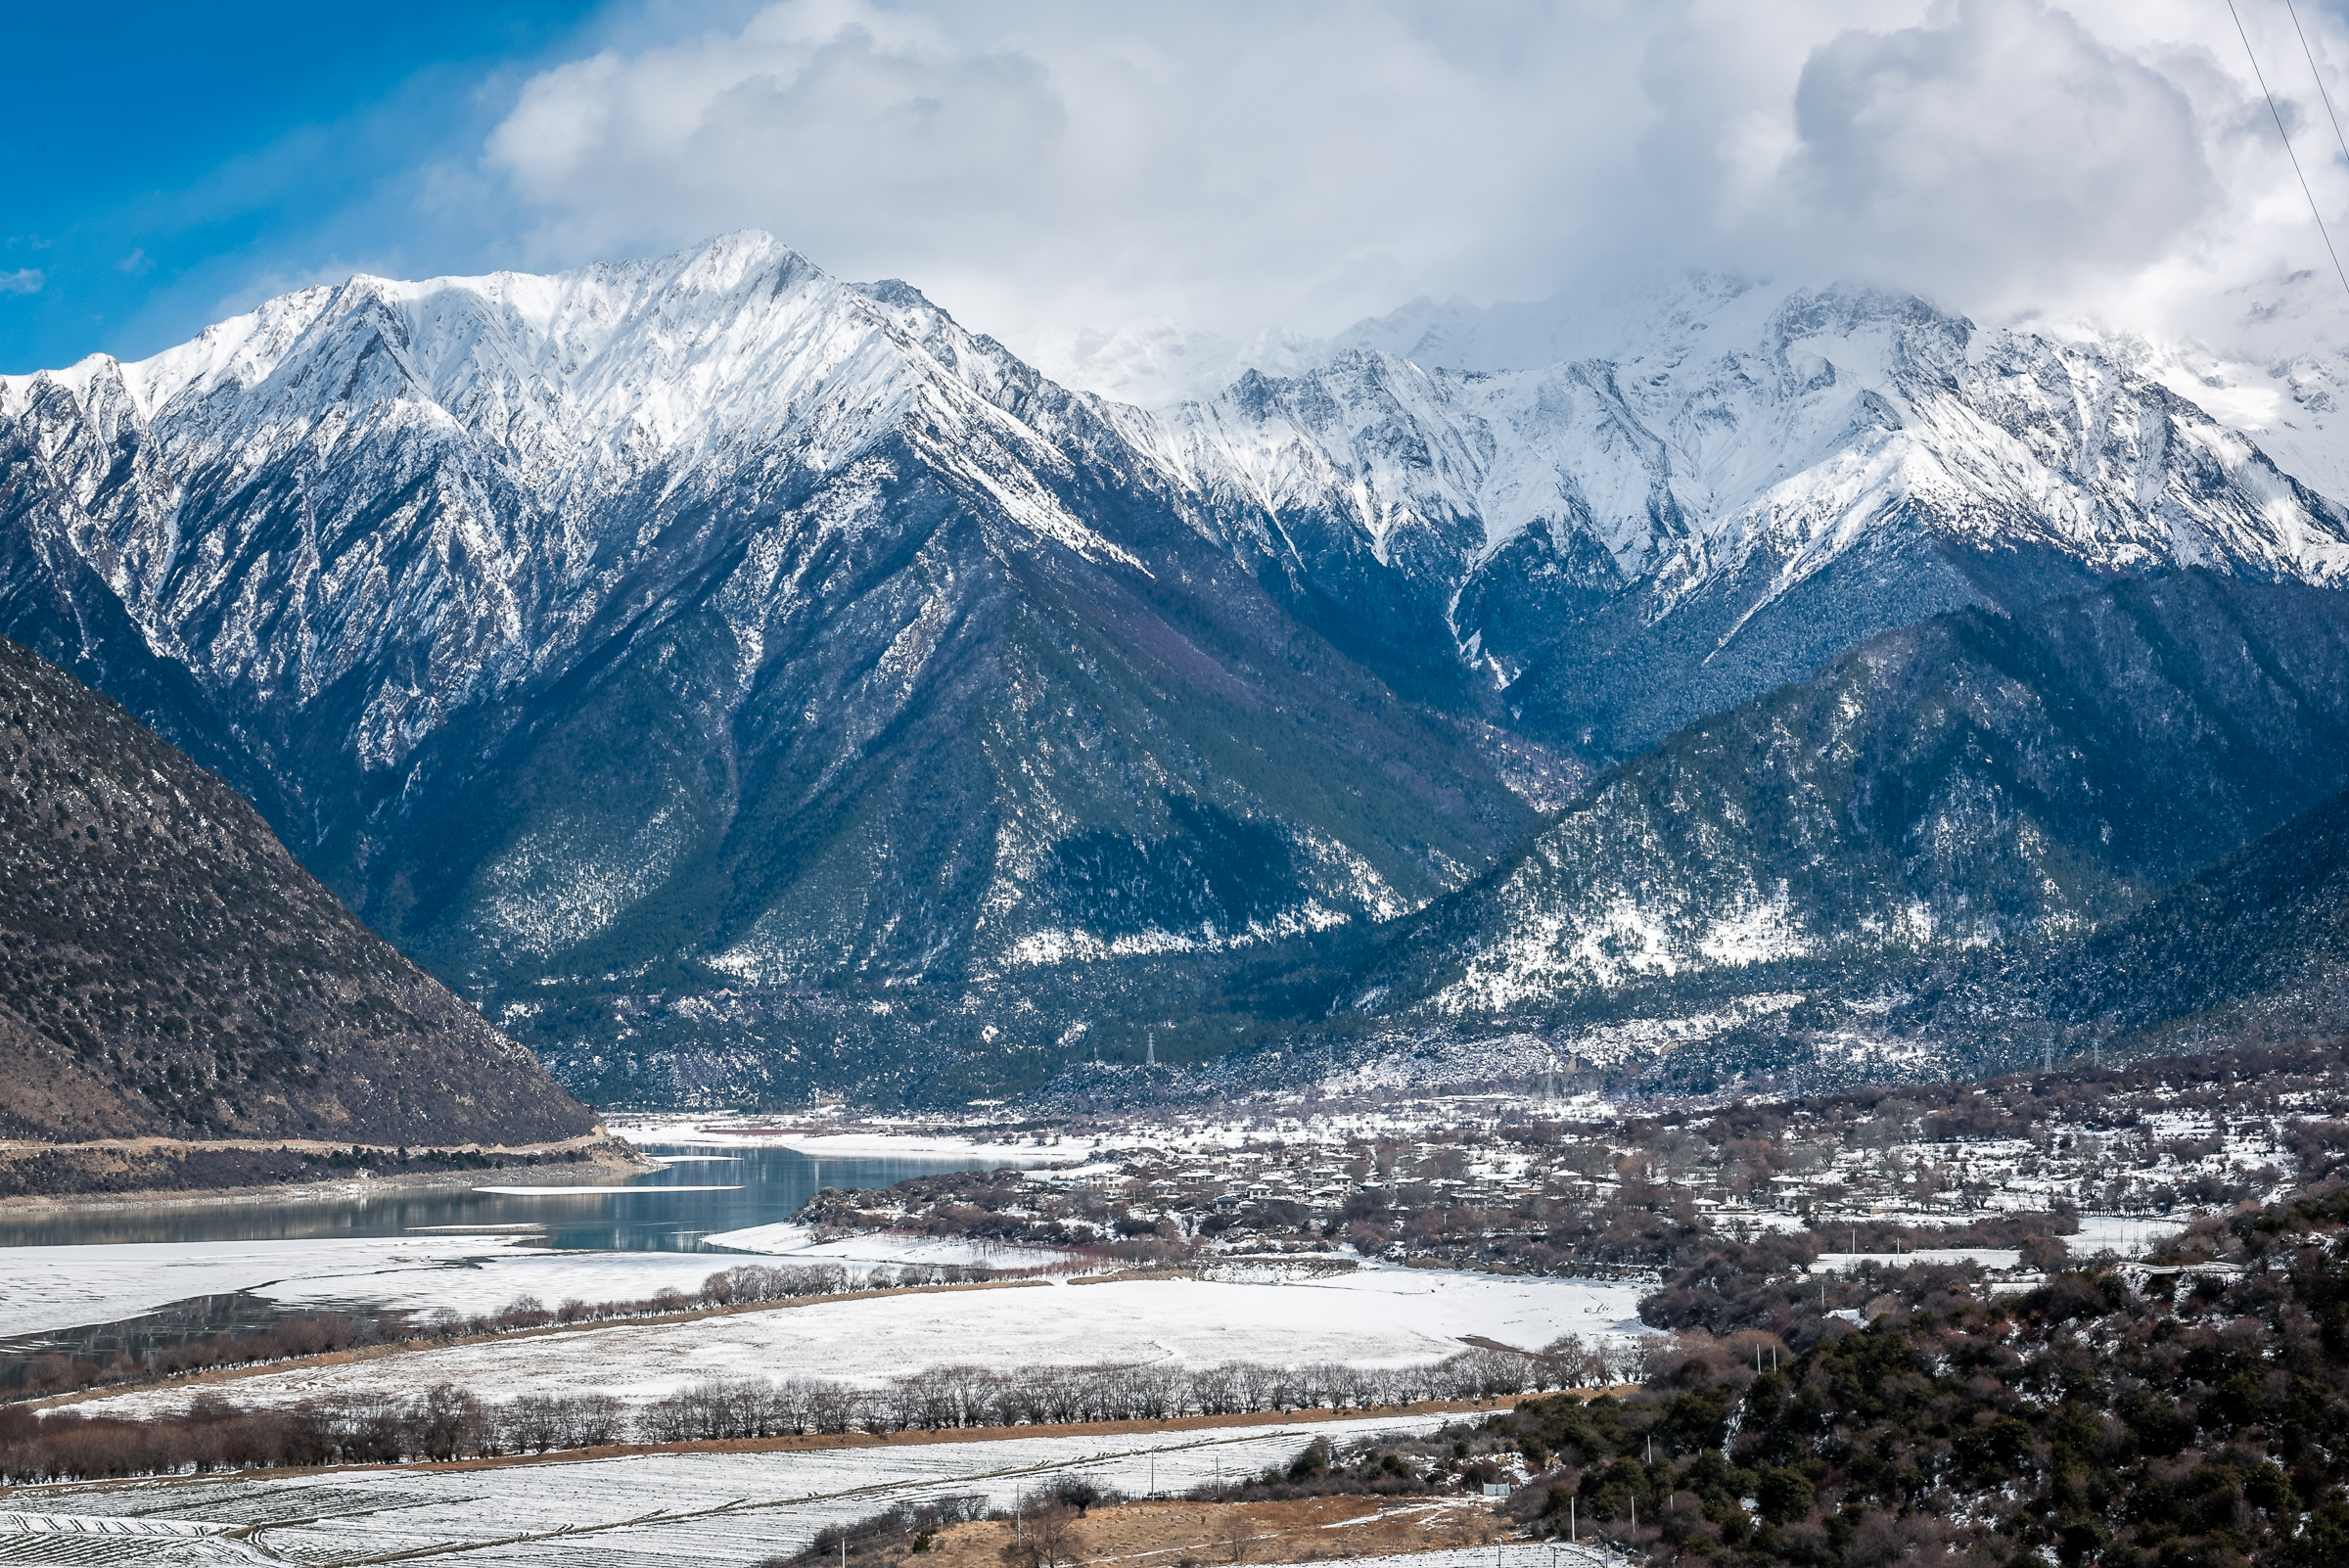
[
  {"x": 170, "y": 972},
  {"x": 1745, "y": 487},
  {"x": 588, "y": 623},
  {"x": 1975, "y": 783},
  {"x": 706, "y": 660}
]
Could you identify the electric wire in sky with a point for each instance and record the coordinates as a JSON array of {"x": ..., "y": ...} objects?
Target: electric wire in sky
[
  {"x": 2262, "y": 78},
  {"x": 2311, "y": 55}
]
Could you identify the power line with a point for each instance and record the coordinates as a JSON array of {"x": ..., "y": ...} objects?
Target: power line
[
  {"x": 2319, "y": 76},
  {"x": 2261, "y": 78}
]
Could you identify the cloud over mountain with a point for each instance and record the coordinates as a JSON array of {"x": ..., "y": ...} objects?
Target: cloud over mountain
[{"x": 1051, "y": 173}]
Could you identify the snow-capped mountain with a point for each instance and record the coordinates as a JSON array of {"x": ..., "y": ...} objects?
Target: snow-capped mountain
[
  {"x": 1747, "y": 486},
  {"x": 721, "y": 643},
  {"x": 733, "y": 674}
]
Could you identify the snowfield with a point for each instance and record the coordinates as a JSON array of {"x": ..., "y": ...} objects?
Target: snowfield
[
  {"x": 1845, "y": 1262},
  {"x": 464, "y": 1272},
  {"x": 678, "y": 1510},
  {"x": 54, "y": 1287},
  {"x": 2124, "y": 1235},
  {"x": 1376, "y": 1316}
]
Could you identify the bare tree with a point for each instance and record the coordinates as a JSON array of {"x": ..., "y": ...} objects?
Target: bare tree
[{"x": 1048, "y": 1538}]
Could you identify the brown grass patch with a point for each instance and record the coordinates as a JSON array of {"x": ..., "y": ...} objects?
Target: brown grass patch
[{"x": 1167, "y": 1533}]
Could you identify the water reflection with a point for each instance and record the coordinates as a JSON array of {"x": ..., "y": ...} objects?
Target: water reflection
[{"x": 659, "y": 1211}]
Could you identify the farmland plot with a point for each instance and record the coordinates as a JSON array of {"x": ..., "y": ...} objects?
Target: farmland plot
[
  {"x": 1375, "y": 1316},
  {"x": 674, "y": 1510}
]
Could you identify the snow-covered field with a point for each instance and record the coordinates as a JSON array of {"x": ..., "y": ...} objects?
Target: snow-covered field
[
  {"x": 49, "y": 1288},
  {"x": 1502, "y": 1554},
  {"x": 465, "y": 1272},
  {"x": 797, "y": 1242},
  {"x": 2124, "y": 1235},
  {"x": 55, "y": 1287},
  {"x": 1844, "y": 1263},
  {"x": 679, "y": 1510},
  {"x": 1375, "y": 1316}
]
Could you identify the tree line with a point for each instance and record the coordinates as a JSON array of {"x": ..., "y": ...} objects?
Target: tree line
[{"x": 450, "y": 1422}]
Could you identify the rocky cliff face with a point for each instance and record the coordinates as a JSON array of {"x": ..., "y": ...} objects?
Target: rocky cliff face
[
  {"x": 170, "y": 972},
  {"x": 733, "y": 678}
]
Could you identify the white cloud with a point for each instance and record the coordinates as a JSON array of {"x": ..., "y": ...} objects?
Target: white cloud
[
  {"x": 2008, "y": 157},
  {"x": 2091, "y": 160},
  {"x": 1219, "y": 164},
  {"x": 1043, "y": 170},
  {"x": 25, "y": 280}
]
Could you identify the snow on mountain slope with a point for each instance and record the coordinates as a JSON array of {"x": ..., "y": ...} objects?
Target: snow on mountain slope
[
  {"x": 1978, "y": 782},
  {"x": 694, "y": 657},
  {"x": 1744, "y": 486},
  {"x": 510, "y": 416},
  {"x": 710, "y": 616}
]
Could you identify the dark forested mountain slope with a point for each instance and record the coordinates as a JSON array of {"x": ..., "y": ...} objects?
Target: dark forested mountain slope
[
  {"x": 1977, "y": 783},
  {"x": 2253, "y": 950},
  {"x": 167, "y": 969}
]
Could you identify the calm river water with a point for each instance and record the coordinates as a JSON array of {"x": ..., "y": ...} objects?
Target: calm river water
[{"x": 657, "y": 1213}]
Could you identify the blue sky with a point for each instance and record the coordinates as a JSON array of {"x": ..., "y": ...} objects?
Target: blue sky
[
  {"x": 1054, "y": 170},
  {"x": 163, "y": 159}
]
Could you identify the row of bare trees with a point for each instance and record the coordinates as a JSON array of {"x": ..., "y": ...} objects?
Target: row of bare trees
[{"x": 450, "y": 1422}]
